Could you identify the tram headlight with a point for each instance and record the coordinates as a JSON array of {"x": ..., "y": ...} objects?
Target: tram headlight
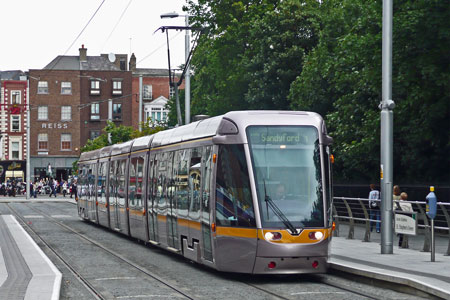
[
  {"x": 315, "y": 235},
  {"x": 273, "y": 236}
]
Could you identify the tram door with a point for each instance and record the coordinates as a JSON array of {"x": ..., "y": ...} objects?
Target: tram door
[{"x": 152, "y": 189}]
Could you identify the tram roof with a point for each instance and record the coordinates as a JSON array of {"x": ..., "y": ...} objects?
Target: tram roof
[
  {"x": 195, "y": 130},
  {"x": 94, "y": 154},
  {"x": 121, "y": 148},
  {"x": 142, "y": 142}
]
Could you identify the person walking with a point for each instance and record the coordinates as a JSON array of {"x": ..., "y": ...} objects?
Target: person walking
[{"x": 374, "y": 206}]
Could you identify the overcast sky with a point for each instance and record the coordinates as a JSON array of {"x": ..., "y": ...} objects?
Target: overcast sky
[{"x": 34, "y": 32}]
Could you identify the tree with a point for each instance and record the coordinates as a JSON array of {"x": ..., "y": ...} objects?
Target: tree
[{"x": 341, "y": 79}]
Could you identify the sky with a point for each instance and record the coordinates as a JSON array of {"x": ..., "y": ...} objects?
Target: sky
[{"x": 34, "y": 32}]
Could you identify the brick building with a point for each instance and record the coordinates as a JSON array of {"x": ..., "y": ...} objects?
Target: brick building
[
  {"x": 156, "y": 92},
  {"x": 69, "y": 100},
  {"x": 13, "y": 121}
]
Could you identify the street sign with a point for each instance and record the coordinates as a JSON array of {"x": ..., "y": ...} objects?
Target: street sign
[{"x": 406, "y": 222}]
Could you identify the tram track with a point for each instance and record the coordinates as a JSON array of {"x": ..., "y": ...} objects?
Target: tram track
[
  {"x": 257, "y": 285},
  {"x": 85, "y": 282}
]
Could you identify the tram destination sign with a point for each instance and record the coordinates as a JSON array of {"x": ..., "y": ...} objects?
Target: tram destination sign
[{"x": 279, "y": 138}]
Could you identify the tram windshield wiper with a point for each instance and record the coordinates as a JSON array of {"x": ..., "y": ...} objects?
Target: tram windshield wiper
[{"x": 278, "y": 212}]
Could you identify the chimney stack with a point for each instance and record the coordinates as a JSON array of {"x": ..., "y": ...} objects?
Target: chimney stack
[
  {"x": 132, "y": 65},
  {"x": 83, "y": 53}
]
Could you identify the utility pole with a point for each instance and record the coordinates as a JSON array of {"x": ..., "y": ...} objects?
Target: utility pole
[
  {"x": 110, "y": 117},
  {"x": 140, "y": 103},
  {"x": 387, "y": 124},
  {"x": 28, "y": 168},
  {"x": 187, "y": 83}
]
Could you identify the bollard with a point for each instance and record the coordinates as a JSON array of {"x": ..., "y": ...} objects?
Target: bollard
[{"x": 431, "y": 213}]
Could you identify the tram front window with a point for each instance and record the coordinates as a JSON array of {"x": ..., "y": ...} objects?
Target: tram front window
[{"x": 286, "y": 165}]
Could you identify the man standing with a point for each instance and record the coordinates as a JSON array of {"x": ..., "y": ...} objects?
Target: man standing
[{"x": 374, "y": 205}]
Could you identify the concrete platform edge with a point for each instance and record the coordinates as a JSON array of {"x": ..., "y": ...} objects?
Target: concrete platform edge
[
  {"x": 36, "y": 277},
  {"x": 384, "y": 276}
]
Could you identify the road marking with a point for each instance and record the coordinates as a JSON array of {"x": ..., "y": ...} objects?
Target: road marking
[
  {"x": 145, "y": 296},
  {"x": 305, "y": 293},
  {"x": 61, "y": 216},
  {"x": 116, "y": 278},
  {"x": 33, "y": 217}
]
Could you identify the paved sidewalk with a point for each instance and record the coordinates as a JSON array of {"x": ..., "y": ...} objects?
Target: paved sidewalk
[{"x": 406, "y": 267}]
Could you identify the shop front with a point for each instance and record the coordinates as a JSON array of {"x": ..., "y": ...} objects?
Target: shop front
[
  {"x": 59, "y": 168},
  {"x": 12, "y": 170}
]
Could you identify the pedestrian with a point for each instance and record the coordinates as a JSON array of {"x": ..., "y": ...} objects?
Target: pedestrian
[
  {"x": 403, "y": 197},
  {"x": 53, "y": 188},
  {"x": 374, "y": 206},
  {"x": 73, "y": 190},
  {"x": 396, "y": 196},
  {"x": 64, "y": 188}
]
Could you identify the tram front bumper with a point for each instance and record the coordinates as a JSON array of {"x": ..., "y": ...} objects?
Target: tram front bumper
[{"x": 290, "y": 265}]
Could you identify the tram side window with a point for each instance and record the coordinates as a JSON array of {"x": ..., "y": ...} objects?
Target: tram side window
[
  {"x": 121, "y": 181},
  {"x": 91, "y": 182},
  {"x": 234, "y": 206},
  {"x": 161, "y": 178},
  {"x": 181, "y": 161},
  {"x": 206, "y": 171},
  {"x": 195, "y": 178},
  {"x": 113, "y": 180},
  {"x": 139, "y": 181},
  {"x": 101, "y": 182},
  {"x": 132, "y": 182},
  {"x": 151, "y": 181}
]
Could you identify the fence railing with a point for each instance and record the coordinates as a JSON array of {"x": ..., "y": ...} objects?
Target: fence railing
[{"x": 356, "y": 211}]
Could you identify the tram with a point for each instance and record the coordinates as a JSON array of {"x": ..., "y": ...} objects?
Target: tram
[{"x": 246, "y": 192}]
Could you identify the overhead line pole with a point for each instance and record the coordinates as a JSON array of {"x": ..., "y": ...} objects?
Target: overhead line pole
[{"x": 387, "y": 124}]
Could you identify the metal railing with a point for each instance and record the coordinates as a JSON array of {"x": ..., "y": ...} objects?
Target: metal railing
[{"x": 355, "y": 211}]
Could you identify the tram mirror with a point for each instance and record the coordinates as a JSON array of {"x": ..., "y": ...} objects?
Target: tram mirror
[{"x": 327, "y": 140}]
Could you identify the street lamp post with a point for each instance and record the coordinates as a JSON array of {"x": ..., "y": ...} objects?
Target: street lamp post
[{"x": 187, "y": 84}]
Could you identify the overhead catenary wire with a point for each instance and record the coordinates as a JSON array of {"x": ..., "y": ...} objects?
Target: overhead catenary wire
[
  {"x": 74, "y": 41},
  {"x": 158, "y": 48},
  {"x": 115, "y": 26}
]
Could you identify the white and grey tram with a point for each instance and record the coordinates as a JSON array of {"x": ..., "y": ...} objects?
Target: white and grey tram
[{"x": 248, "y": 191}]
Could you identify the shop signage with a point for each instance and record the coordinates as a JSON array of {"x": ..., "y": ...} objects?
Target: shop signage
[
  {"x": 406, "y": 223},
  {"x": 54, "y": 125},
  {"x": 14, "y": 166}
]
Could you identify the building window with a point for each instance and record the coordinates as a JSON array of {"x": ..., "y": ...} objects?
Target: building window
[
  {"x": 66, "y": 141},
  {"x": 42, "y": 87},
  {"x": 117, "y": 111},
  {"x": 171, "y": 92},
  {"x": 95, "y": 111},
  {"x": 66, "y": 113},
  {"x": 42, "y": 141},
  {"x": 42, "y": 112},
  {"x": 15, "y": 150},
  {"x": 15, "y": 97},
  {"x": 147, "y": 92},
  {"x": 95, "y": 87},
  {"x": 117, "y": 87},
  {"x": 66, "y": 88},
  {"x": 123, "y": 65},
  {"x": 94, "y": 134},
  {"x": 15, "y": 123}
]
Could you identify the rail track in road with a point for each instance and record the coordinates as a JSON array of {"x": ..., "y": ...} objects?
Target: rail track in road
[
  {"x": 82, "y": 278},
  {"x": 268, "y": 287}
]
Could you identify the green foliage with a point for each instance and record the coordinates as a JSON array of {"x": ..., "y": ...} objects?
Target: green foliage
[
  {"x": 120, "y": 134},
  {"x": 325, "y": 56}
]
